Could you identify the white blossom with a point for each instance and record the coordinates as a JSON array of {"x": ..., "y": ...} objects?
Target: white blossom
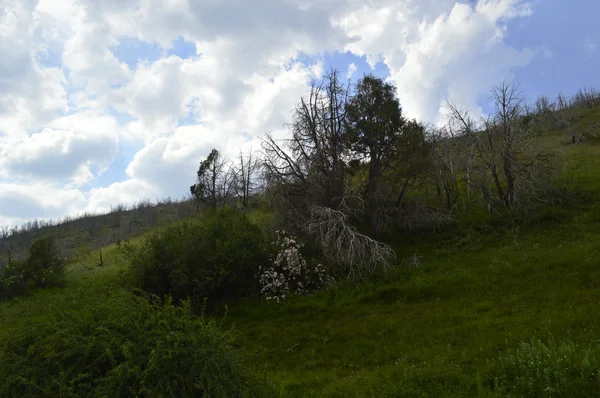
[{"x": 290, "y": 272}]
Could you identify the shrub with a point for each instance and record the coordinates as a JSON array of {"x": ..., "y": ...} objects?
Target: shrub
[
  {"x": 290, "y": 272},
  {"x": 12, "y": 279},
  {"x": 539, "y": 370},
  {"x": 216, "y": 257},
  {"x": 126, "y": 346},
  {"x": 43, "y": 267}
]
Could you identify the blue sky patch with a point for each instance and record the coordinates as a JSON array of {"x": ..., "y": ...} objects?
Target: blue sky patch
[
  {"x": 560, "y": 31},
  {"x": 342, "y": 60},
  {"x": 52, "y": 57},
  {"x": 182, "y": 48},
  {"x": 116, "y": 169},
  {"x": 132, "y": 51},
  {"x": 122, "y": 117}
]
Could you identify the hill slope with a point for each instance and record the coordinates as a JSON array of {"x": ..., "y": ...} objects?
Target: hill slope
[
  {"x": 93, "y": 231},
  {"x": 488, "y": 307}
]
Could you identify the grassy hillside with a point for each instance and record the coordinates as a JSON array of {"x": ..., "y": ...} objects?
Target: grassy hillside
[
  {"x": 440, "y": 324},
  {"x": 93, "y": 231},
  {"x": 489, "y": 306}
]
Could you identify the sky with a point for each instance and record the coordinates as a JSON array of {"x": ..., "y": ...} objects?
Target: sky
[{"x": 113, "y": 101}]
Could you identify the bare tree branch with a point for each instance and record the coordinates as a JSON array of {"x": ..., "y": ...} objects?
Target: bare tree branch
[{"x": 353, "y": 253}]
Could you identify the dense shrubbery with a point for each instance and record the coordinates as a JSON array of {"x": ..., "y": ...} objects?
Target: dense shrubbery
[
  {"x": 43, "y": 267},
  {"x": 125, "y": 346},
  {"x": 216, "y": 257}
]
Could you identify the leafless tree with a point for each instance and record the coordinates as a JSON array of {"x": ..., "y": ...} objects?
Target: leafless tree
[
  {"x": 286, "y": 182},
  {"x": 564, "y": 118},
  {"x": 319, "y": 137},
  {"x": 509, "y": 165},
  {"x": 4, "y": 231},
  {"x": 309, "y": 168},
  {"x": 445, "y": 169},
  {"x": 544, "y": 106},
  {"x": 587, "y": 97},
  {"x": 245, "y": 177}
]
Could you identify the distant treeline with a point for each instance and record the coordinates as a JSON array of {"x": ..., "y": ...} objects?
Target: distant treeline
[{"x": 93, "y": 230}]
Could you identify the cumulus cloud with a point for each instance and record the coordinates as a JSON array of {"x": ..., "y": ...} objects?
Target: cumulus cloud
[
  {"x": 68, "y": 149},
  {"x": 20, "y": 202},
  {"x": 455, "y": 53},
  {"x": 128, "y": 192},
  {"x": 243, "y": 80},
  {"x": 30, "y": 95},
  {"x": 169, "y": 164}
]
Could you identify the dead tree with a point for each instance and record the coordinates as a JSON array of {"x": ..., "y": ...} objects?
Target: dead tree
[
  {"x": 309, "y": 168},
  {"x": 245, "y": 178},
  {"x": 319, "y": 137},
  {"x": 565, "y": 118},
  {"x": 446, "y": 166},
  {"x": 586, "y": 98},
  {"x": 509, "y": 165}
]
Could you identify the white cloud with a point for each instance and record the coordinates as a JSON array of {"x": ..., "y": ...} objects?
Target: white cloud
[
  {"x": 89, "y": 60},
  {"x": 30, "y": 95},
  {"x": 67, "y": 149},
  {"x": 20, "y": 202},
  {"x": 156, "y": 95},
  {"x": 126, "y": 192},
  {"x": 243, "y": 81},
  {"x": 169, "y": 164},
  {"x": 351, "y": 70},
  {"x": 456, "y": 55}
]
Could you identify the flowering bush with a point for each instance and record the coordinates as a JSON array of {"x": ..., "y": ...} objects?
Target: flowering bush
[{"x": 290, "y": 273}]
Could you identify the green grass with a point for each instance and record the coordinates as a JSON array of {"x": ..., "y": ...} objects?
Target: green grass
[
  {"x": 486, "y": 296},
  {"x": 441, "y": 328},
  {"x": 437, "y": 329}
]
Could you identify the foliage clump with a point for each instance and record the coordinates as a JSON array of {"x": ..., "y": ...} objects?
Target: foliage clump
[
  {"x": 290, "y": 272},
  {"x": 215, "y": 257},
  {"x": 122, "y": 347},
  {"x": 43, "y": 267}
]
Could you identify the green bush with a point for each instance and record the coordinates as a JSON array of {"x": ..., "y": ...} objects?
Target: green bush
[
  {"x": 536, "y": 369},
  {"x": 126, "y": 346},
  {"x": 216, "y": 257},
  {"x": 12, "y": 280},
  {"x": 43, "y": 267}
]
